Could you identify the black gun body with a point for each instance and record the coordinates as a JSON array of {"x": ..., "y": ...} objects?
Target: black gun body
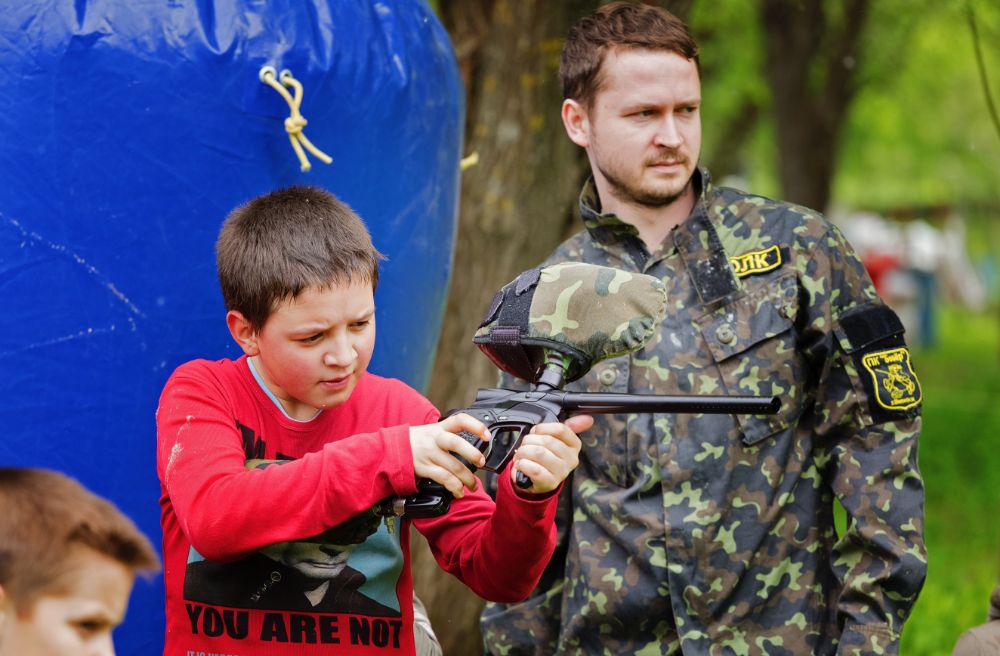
[{"x": 509, "y": 414}]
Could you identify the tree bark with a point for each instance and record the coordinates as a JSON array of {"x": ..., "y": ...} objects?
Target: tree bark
[
  {"x": 726, "y": 158},
  {"x": 516, "y": 205},
  {"x": 812, "y": 54}
]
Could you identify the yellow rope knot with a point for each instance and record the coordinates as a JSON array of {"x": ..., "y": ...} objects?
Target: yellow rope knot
[
  {"x": 295, "y": 121},
  {"x": 294, "y": 124}
]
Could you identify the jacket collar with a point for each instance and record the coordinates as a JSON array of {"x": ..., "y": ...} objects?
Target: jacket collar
[
  {"x": 599, "y": 225},
  {"x": 695, "y": 239}
]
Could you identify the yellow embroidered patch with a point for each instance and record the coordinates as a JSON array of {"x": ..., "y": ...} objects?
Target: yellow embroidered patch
[
  {"x": 896, "y": 386},
  {"x": 756, "y": 261}
]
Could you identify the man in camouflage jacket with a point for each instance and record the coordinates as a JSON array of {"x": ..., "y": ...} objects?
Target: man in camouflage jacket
[{"x": 715, "y": 534}]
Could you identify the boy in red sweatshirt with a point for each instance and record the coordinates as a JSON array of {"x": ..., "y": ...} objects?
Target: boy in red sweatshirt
[{"x": 270, "y": 464}]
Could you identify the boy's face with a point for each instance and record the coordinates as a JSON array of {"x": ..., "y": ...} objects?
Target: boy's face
[
  {"x": 314, "y": 348},
  {"x": 78, "y": 622},
  {"x": 319, "y": 562}
]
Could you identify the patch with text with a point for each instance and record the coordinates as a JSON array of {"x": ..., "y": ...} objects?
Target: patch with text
[
  {"x": 895, "y": 384},
  {"x": 756, "y": 262}
]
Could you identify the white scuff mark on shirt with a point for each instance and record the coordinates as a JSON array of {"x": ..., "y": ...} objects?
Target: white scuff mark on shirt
[{"x": 175, "y": 450}]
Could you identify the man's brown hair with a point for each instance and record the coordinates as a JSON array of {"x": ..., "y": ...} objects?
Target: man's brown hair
[
  {"x": 278, "y": 244},
  {"x": 618, "y": 25},
  {"x": 45, "y": 519}
]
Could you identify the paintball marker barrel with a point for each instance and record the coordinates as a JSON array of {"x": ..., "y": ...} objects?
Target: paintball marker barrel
[
  {"x": 611, "y": 403},
  {"x": 583, "y": 403}
]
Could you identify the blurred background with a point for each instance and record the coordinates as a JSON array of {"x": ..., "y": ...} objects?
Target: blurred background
[{"x": 881, "y": 113}]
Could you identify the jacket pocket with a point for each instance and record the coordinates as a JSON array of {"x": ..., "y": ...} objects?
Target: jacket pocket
[
  {"x": 607, "y": 445},
  {"x": 752, "y": 340}
]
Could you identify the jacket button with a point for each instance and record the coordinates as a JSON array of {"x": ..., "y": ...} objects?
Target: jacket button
[
  {"x": 607, "y": 376},
  {"x": 725, "y": 334}
]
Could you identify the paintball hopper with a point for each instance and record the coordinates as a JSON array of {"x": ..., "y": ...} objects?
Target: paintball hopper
[{"x": 582, "y": 312}]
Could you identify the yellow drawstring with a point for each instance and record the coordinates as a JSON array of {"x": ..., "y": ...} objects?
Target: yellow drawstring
[
  {"x": 295, "y": 121},
  {"x": 468, "y": 161}
]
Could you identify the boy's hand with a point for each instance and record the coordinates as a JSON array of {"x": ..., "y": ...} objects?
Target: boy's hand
[
  {"x": 431, "y": 445},
  {"x": 549, "y": 453}
]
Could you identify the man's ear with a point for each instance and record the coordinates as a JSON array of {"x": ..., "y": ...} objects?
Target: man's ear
[
  {"x": 242, "y": 332},
  {"x": 576, "y": 122}
]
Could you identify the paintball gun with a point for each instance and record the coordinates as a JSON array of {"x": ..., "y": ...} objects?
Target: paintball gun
[{"x": 549, "y": 326}]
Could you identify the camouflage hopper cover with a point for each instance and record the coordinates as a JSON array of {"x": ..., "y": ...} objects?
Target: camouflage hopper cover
[{"x": 585, "y": 312}]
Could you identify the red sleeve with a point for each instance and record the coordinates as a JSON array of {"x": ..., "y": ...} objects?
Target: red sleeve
[
  {"x": 499, "y": 550},
  {"x": 227, "y": 511}
]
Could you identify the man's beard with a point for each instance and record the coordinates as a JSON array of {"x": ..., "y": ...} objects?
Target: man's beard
[{"x": 632, "y": 194}]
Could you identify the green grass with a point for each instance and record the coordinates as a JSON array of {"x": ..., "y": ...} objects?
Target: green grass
[{"x": 960, "y": 462}]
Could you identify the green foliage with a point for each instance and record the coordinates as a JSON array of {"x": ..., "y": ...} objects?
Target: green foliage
[
  {"x": 920, "y": 132},
  {"x": 960, "y": 462},
  {"x": 732, "y": 61}
]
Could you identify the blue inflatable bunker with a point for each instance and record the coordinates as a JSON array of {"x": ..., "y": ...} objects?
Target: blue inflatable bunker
[{"x": 127, "y": 132}]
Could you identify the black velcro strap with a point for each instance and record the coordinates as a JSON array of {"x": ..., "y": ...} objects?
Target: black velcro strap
[
  {"x": 870, "y": 324},
  {"x": 491, "y": 313},
  {"x": 527, "y": 280},
  {"x": 509, "y": 313},
  {"x": 505, "y": 346},
  {"x": 706, "y": 260},
  {"x": 882, "y": 361},
  {"x": 515, "y": 308}
]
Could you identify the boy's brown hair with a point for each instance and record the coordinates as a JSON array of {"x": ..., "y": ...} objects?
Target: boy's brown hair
[
  {"x": 278, "y": 244},
  {"x": 46, "y": 518},
  {"x": 618, "y": 25}
]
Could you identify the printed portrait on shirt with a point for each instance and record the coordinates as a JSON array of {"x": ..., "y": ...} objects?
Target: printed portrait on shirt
[{"x": 351, "y": 568}]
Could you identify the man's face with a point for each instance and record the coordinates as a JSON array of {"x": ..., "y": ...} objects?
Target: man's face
[
  {"x": 78, "y": 622},
  {"x": 314, "y": 348},
  {"x": 312, "y": 560},
  {"x": 643, "y": 130}
]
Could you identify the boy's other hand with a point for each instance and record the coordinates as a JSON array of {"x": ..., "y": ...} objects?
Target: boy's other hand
[
  {"x": 549, "y": 453},
  {"x": 432, "y": 446}
]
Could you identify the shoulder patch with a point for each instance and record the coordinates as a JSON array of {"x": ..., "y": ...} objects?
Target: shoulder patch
[
  {"x": 895, "y": 384},
  {"x": 755, "y": 262},
  {"x": 873, "y": 336}
]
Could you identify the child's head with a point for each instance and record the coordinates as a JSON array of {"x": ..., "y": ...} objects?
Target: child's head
[
  {"x": 67, "y": 562},
  {"x": 275, "y": 246},
  {"x": 298, "y": 272}
]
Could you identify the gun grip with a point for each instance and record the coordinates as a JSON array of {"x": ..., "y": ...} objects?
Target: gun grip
[
  {"x": 474, "y": 440},
  {"x": 522, "y": 481},
  {"x": 430, "y": 500}
]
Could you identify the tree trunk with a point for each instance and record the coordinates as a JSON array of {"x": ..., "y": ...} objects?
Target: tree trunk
[
  {"x": 516, "y": 205},
  {"x": 812, "y": 53}
]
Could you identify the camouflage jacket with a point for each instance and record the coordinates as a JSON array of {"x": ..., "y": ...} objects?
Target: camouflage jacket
[{"x": 715, "y": 534}]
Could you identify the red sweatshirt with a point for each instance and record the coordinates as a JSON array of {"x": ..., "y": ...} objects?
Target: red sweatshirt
[{"x": 223, "y": 596}]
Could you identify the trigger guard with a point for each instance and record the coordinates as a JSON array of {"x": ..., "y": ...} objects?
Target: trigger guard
[{"x": 499, "y": 455}]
